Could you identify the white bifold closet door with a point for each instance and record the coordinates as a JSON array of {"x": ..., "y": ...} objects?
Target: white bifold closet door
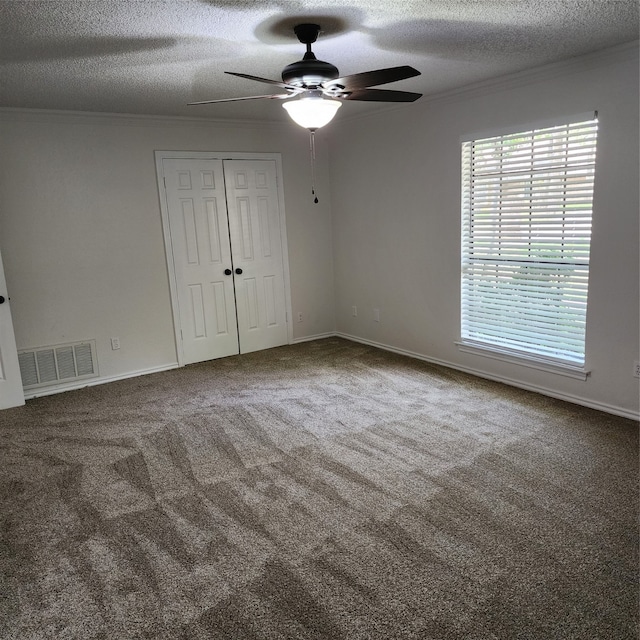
[{"x": 225, "y": 239}]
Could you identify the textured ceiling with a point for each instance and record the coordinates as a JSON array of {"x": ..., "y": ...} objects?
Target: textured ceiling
[{"x": 152, "y": 56}]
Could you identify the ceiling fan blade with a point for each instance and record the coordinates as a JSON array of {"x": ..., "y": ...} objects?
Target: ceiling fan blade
[
  {"x": 278, "y": 83},
  {"x": 381, "y": 95},
  {"x": 372, "y": 78},
  {"x": 271, "y": 96}
]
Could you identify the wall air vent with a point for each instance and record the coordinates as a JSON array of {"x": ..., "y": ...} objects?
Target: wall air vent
[{"x": 58, "y": 364}]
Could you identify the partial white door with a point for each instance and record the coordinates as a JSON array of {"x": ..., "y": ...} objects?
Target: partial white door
[
  {"x": 201, "y": 258},
  {"x": 256, "y": 242},
  {"x": 11, "y": 393}
]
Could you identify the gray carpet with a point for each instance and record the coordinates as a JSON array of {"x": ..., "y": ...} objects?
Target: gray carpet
[{"x": 322, "y": 491}]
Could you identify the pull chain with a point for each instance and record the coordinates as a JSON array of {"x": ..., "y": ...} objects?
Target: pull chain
[{"x": 312, "y": 151}]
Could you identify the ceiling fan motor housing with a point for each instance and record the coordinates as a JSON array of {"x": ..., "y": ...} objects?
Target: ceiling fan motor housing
[{"x": 309, "y": 72}]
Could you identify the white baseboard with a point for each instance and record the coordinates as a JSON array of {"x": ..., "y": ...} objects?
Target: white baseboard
[
  {"x": 60, "y": 388},
  {"x": 319, "y": 336},
  {"x": 545, "y": 391}
]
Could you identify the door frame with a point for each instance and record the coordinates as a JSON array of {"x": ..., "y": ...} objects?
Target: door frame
[
  {"x": 160, "y": 156},
  {"x": 11, "y": 389}
]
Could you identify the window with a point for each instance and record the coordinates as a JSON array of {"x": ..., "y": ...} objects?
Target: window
[{"x": 526, "y": 229}]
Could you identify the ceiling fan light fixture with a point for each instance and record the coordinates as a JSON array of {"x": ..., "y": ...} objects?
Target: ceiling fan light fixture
[{"x": 312, "y": 112}]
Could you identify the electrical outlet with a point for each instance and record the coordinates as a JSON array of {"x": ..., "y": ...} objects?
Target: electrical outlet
[
  {"x": 115, "y": 343},
  {"x": 354, "y": 311},
  {"x": 636, "y": 369},
  {"x": 299, "y": 316},
  {"x": 376, "y": 315}
]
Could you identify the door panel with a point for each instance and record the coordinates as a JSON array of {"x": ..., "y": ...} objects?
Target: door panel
[
  {"x": 254, "y": 225},
  {"x": 200, "y": 239},
  {"x": 11, "y": 393}
]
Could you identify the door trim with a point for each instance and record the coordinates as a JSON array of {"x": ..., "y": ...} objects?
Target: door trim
[
  {"x": 11, "y": 389},
  {"x": 160, "y": 156}
]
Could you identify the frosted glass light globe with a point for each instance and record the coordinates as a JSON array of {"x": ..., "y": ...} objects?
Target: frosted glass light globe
[{"x": 312, "y": 112}]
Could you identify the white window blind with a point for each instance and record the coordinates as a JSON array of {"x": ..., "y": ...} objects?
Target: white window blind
[{"x": 526, "y": 230}]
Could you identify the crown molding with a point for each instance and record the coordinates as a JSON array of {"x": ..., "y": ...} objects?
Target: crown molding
[
  {"x": 586, "y": 62},
  {"x": 127, "y": 119}
]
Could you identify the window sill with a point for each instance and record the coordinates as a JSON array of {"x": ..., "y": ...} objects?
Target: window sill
[{"x": 505, "y": 355}]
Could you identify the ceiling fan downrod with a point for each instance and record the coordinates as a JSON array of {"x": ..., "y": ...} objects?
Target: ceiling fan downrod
[{"x": 308, "y": 73}]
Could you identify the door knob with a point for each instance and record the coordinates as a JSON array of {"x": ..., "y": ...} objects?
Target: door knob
[
  {"x": 227, "y": 272},
  {"x": 238, "y": 270},
  {"x": 1, "y": 299}
]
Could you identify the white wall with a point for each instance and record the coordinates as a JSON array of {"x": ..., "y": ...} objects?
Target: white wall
[
  {"x": 395, "y": 181},
  {"x": 81, "y": 232}
]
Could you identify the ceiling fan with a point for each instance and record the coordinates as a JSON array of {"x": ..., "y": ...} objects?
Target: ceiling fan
[{"x": 319, "y": 89}]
